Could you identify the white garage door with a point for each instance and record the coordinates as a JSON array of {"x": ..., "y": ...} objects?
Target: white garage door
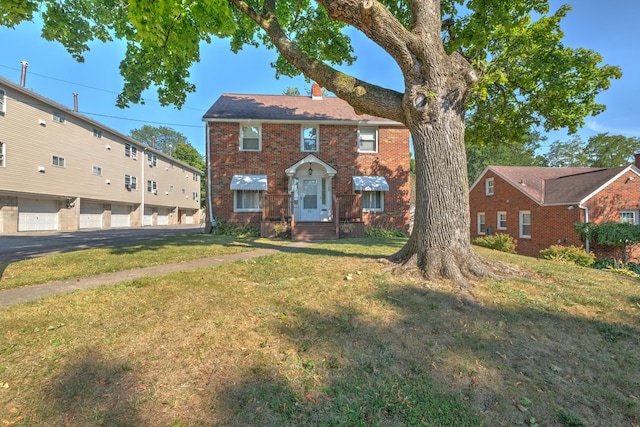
[
  {"x": 148, "y": 216},
  {"x": 163, "y": 216},
  {"x": 37, "y": 215},
  {"x": 120, "y": 215},
  {"x": 90, "y": 215},
  {"x": 188, "y": 218}
]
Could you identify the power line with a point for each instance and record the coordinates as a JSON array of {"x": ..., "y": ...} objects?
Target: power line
[{"x": 138, "y": 120}]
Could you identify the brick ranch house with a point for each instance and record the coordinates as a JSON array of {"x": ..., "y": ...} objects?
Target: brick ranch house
[
  {"x": 538, "y": 206},
  {"x": 308, "y": 160}
]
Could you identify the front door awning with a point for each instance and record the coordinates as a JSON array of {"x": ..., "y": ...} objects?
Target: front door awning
[
  {"x": 370, "y": 183},
  {"x": 249, "y": 182}
]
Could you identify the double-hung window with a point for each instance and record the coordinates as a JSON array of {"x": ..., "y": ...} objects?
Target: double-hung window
[
  {"x": 250, "y": 138},
  {"x": 502, "y": 221},
  {"x": 247, "y": 200},
  {"x": 629, "y": 216},
  {"x": 3, "y": 102},
  {"x": 152, "y": 159},
  {"x": 373, "y": 201},
  {"x": 57, "y": 161},
  {"x": 152, "y": 187},
  {"x": 482, "y": 223},
  {"x": 368, "y": 139},
  {"x": 131, "y": 151},
  {"x": 97, "y": 170},
  {"x": 309, "y": 138},
  {"x": 59, "y": 117},
  {"x": 2, "y": 154},
  {"x": 131, "y": 182},
  {"x": 97, "y": 133},
  {"x": 488, "y": 187},
  {"x": 525, "y": 224}
]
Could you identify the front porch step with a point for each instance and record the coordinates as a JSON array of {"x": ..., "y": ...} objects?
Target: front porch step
[{"x": 313, "y": 231}]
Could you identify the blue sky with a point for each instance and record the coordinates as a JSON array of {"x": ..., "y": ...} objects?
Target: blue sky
[{"x": 610, "y": 29}]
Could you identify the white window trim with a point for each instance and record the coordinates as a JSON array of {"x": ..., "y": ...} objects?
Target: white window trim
[
  {"x": 96, "y": 170},
  {"x": 3, "y": 155},
  {"x": 64, "y": 161},
  {"x": 302, "y": 138},
  {"x": 3, "y": 102},
  {"x": 376, "y": 142},
  {"x": 152, "y": 186},
  {"x": 241, "y": 143},
  {"x": 521, "y": 215},
  {"x": 489, "y": 187},
  {"x": 634, "y": 212},
  {"x": 152, "y": 160},
  {"x": 59, "y": 117},
  {"x": 381, "y": 208},
  {"x": 482, "y": 223},
  {"x": 235, "y": 202},
  {"x": 97, "y": 133},
  {"x": 498, "y": 227},
  {"x": 133, "y": 181}
]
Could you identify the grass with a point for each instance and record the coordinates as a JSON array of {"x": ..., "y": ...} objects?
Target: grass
[{"x": 327, "y": 336}]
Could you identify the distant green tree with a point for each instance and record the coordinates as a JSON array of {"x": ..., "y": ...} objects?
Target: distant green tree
[
  {"x": 291, "y": 91},
  {"x": 609, "y": 151},
  {"x": 519, "y": 153},
  {"x": 412, "y": 165},
  {"x": 187, "y": 153},
  {"x": 564, "y": 154},
  {"x": 161, "y": 138}
]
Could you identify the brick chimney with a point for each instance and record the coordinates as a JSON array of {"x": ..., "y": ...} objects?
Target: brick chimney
[
  {"x": 316, "y": 91},
  {"x": 637, "y": 159}
]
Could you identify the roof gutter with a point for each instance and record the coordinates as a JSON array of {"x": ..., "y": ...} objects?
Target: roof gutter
[{"x": 586, "y": 220}]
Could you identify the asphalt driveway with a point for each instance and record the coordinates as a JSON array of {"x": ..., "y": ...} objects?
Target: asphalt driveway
[{"x": 25, "y": 245}]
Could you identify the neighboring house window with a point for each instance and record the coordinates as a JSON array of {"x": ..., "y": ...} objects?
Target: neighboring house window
[
  {"x": 3, "y": 101},
  {"x": 57, "y": 161},
  {"x": 250, "y": 139},
  {"x": 184, "y": 191},
  {"x": 2, "y": 155},
  {"x": 482, "y": 223},
  {"x": 502, "y": 221},
  {"x": 373, "y": 201},
  {"x": 59, "y": 117},
  {"x": 171, "y": 188},
  {"x": 152, "y": 159},
  {"x": 309, "y": 138},
  {"x": 488, "y": 186},
  {"x": 97, "y": 133},
  {"x": 131, "y": 151},
  {"x": 97, "y": 170},
  {"x": 525, "y": 224},
  {"x": 195, "y": 195},
  {"x": 195, "y": 176},
  {"x": 152, "y": 187},
  {"x": 247, "y": 200},
  {"x": 131, "y": 182},
  {"x": 630, "y": 217},
  {"x": 368, "y": 139}
]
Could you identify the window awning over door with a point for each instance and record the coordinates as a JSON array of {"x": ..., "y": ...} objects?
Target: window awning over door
[
  {"x": 370, "y": 183},
  {"x": 249, "y": 182}
]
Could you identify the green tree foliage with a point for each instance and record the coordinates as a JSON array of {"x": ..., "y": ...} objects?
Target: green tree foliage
[
  {"x": 500, "y": 63},
  {"x": 620, "y": 234},
  {"x": 600, "y": 151},
  {"x": 515, "y": 153},
  {"x": 291, "y": 91},
  {"x": 161, "y": 138}
]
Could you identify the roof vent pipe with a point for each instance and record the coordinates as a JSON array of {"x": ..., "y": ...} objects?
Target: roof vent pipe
[
  {"x": 75, "y": 102},
  {"x": 23, "y": 75}
]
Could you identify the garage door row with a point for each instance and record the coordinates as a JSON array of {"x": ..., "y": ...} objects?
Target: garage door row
[{"x": 47, "y": 215}]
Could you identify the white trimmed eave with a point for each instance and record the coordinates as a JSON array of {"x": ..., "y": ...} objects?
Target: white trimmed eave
[
  {"x": 291, "y": 170},
  {"x": 507, "y": 180},
  {"x": 304, "y": 120},
  {"x": 631, "y": 168}
]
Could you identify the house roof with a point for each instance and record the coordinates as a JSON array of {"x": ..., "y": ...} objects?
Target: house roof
[
  {"x": 44, "y": 101},
  {"x": 236, "y": 107},
  {"x": 557, "y": 186}
]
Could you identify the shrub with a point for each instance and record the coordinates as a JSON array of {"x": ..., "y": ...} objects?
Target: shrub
[
  {"x": 500, "y": 242},
  {"x": 226, "y": 228},
  {"x": 384, "y": 232},
  {"x": 568, "y": 254},
  {"x": 630, "y": 269}
]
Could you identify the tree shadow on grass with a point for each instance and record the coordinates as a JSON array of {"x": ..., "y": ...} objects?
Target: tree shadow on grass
[
  {"x": 437, "y": 363},
  {"x": 94, "y": 391}
]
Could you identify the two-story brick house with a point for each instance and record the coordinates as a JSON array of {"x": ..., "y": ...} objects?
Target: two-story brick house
[
  {"x": 310, "y": 160},
  {"x": 538, "y": 206}
]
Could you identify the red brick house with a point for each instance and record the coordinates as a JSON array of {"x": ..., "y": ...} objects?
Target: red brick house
[
  {"x": 309, "y": 160},
  {"x": 538, "y": 206}
]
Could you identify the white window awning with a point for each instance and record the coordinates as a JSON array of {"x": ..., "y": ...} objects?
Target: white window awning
[
  {"x": 249, "y": 182},
  {"x": 370, "y": 183}
]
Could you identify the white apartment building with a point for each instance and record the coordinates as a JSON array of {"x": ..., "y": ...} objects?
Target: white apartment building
[{"x": 60, "y": 170}]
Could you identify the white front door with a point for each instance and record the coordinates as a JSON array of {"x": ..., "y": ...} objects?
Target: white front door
[{"x": 310, "y": 199}]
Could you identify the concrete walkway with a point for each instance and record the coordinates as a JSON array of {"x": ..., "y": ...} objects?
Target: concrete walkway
[{"x": 35, "y": 292}]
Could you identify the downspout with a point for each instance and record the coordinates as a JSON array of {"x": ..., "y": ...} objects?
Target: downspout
[
  {"x": 208, "y": 226},
  {"x": 144, "y": 184},
  {"x": 586, "y": 220}
]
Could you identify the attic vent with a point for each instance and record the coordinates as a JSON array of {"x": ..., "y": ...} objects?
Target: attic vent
[{"x": 522, "y": 182}]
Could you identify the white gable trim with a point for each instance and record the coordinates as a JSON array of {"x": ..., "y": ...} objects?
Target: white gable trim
[
  {"x": 291, "y": 170},
  {"x": 631, "y": 168}
]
